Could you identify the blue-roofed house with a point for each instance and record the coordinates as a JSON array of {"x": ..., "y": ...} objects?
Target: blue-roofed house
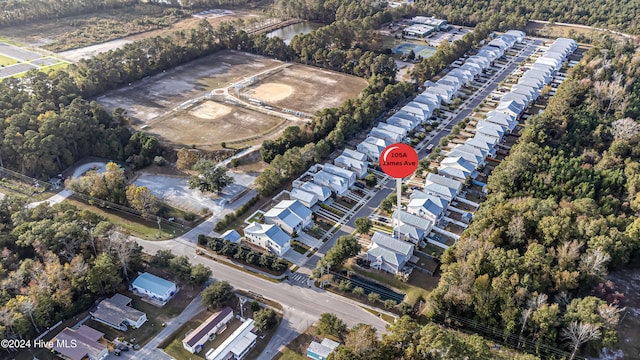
[
  {"x": 268, "y": 236},
  {"x": 290, "y": 215},
  {"x": 154, "y": 287},
  {"x": 232, "y": 236},
  {"x": 388, "y": 254}
]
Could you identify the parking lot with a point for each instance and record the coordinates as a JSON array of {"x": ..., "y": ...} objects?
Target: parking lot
[{"x": 175, "y": 190}]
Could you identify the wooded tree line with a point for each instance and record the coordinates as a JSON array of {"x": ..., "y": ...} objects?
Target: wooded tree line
[
  {"x": 562, "y": 208},
  {"x": 408, "y": 340},
  {"x": 617, "y": 15},
  {"x": 55, "y": 261}
]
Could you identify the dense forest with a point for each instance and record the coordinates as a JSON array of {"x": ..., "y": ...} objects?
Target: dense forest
[
  {"x": 562, "y": 209},
  {"x": 407, "y": 339},
  {"x": 615, "y": 15}
]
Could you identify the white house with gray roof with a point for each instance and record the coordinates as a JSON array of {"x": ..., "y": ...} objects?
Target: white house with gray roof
[
  {"x": 442, "y": 187},
  {"x": 372, "y": 151},
  {"x": 400, "y": 122},
  {"x": 305, "y": 197},
  {"x": 385, "y": 134},
  {"x": 388, "y": 254},
  {"x": 457, "y": 168},
  {"x": 290, "y": 215},
  {"x": 321, "y": 192},
  {"x": 412, "y": 228},
  {"x": 359, "y": 168},
  {"x": 378, "y": 141},
  {"x": 354, "y": 154},
  {"x": 349, "y": 175},
  {"x": 337, "y": 184},
  {"x": 428, "y": 206},
  {"x": 268, "y": 236},
  {"x": 396, "y": 129}
]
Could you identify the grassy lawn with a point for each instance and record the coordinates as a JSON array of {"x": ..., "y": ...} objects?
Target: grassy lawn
[
  {"x": 388, "y": 318},
  {"x": 15, "y": 186},
  {"x": 433, "y": 250},
  {"x": 147, "y": 230},
  {"x": 299, "y": 247},
  {"x": 6, "y": 61},
  {"x": 419, "y": 284},
  {"x": 297, "y": 349}
]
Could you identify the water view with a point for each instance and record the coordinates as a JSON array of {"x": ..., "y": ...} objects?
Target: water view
[{"x": 288, "y": 32}]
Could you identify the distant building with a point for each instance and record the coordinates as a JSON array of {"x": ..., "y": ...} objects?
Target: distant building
[
  {"x": 116, "y": 312},
  {"x": 419, "y": 30},
  {"x": 438, "y": 24},
  {"x": 154, "y": 287},
  {"x": 372, "y": 151},
  {"x": 237, "y": 345},
  {"x": 215, "y": 324},
  {"x": 79, "y": 344},
  {"x": 322, "y": 350},
  {"x": 360, "y": 168}
]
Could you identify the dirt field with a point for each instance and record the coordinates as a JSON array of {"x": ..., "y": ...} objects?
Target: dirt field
[
  {"x": 305, "y": 88},
  {"x": 556, "y": 30},
  {"x": 176, "y": 105},
  {"x": 161, "y": 104},
  {"x": 156, "y": 96}
]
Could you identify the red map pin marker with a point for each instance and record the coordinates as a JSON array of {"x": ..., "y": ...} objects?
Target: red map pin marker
[{"x": 398, "y": 160}]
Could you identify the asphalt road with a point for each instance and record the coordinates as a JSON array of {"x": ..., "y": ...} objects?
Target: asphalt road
[{"x": 302, "y": 306}]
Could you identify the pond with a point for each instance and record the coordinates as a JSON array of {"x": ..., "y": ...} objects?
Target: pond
[{"x": 288, "y": 32}]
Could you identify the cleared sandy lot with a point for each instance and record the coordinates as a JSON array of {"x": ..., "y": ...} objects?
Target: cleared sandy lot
[
  {"x": 306, "y": 88},
  {"x": 178, "y": 106}
]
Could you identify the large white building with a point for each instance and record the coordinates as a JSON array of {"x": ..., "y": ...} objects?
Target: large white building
[{"x": 268, "y": 236}]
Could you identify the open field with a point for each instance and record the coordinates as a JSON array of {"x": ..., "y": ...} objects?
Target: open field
[
  {"x": 177, "y": 106},
  {"x": 305, "y": 88},
  {"x": 141, "y": 20},
  {"x": 579, "y": 33},
  {"x": 16, "y": 60}
]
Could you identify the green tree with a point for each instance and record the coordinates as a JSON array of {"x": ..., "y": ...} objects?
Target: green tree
[
  {"x": 200, "y": 274},
  {"x": 363, "y": 225},
  {"x": 358, "y": 291},
  {"x": 371, "y": 180},
  {"x": 210, "y": 177},
  {"x": 373, "y": 297},
  {"x": 330, "y": 324},
  {"x": 217, "y": 294},
  {"x": 265, "y": 319},
  {"x": 103, "y": 277},
  {"x": 180, "y": 266}
]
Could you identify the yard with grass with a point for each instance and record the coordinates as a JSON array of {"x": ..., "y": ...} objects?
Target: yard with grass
[
  {"x": 419, "y": 284},
  {"x": 132, "y": 224},
  {"x": 297, "y": 349},
  {"x": 6, "y": 61}
]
